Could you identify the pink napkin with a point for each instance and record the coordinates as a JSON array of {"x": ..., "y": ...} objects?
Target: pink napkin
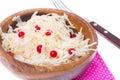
[{"x": 97, "y": 70}]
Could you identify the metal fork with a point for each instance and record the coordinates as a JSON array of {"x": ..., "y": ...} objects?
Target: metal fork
[{"x": 105, "y": 33}]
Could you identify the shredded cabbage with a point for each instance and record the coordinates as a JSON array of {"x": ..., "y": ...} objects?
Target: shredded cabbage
[{"x": 24, "y": 48}]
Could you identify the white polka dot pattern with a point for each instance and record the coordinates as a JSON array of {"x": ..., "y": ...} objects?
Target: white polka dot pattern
[{"x": 97, "y": 70}]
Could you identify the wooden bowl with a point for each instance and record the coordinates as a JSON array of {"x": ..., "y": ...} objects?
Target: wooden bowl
[{"x": 62, "y": 72}]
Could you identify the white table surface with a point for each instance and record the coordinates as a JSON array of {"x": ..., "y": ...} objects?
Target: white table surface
[{"x": 104, "y": 12}]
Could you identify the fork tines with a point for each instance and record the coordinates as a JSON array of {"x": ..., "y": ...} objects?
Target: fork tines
[{"x": 60, "y": 5}]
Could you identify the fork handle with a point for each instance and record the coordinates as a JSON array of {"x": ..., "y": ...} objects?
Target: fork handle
[{"x": 105, "y": 33}]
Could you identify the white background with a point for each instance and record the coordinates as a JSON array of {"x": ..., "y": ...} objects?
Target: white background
[{"x": 104, "y": 12}]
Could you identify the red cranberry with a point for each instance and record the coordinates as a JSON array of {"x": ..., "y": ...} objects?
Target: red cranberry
[
  {"x": 72, "y": 35},
  {"x": 53, "y": 53},
  {"x": 21, "y": 34},
  {"x": 70, "y": 51},
  {"x": 48, "y": 32},
  {"x": 37, "y": 27},
  {"x": 39, "y": 48}
]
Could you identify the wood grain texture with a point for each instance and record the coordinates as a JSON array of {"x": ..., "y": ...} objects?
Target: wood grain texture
[{"x": 32, "y": 72}]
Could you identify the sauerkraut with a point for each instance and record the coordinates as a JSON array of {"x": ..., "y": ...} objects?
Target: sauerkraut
[{"x": 44, "y": 40}]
